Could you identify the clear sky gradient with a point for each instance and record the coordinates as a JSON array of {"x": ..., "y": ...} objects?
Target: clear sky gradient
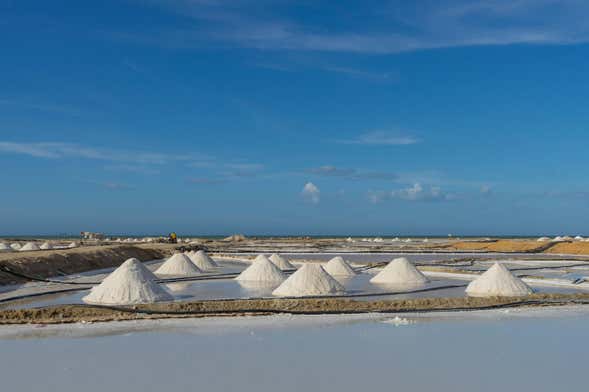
[{"x": 280, "y": 117}]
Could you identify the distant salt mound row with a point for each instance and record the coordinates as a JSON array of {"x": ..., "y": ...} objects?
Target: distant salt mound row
[
  {"x": 498, "y": 281},
  {"x": 46, "y": 246},
  {"x": 281, "y": 262},
  {"x": 400, "y": 272},
  {"x": 178, "y": 265},
  {"x": 29, "y": 246},
  {"x": 543, "y": 239},
  {"x": 579, "y": 238},
  {"x": 5, "y": 248},
  {"x": 15, "y": 246},
  {"x": 309, "y": 280},
  {"x": 339, "y": 267},
  {"x": 202, "y": 260},
  {"x": 131, "y": 283},
  {"x": 235, "y": 238},
  {"x": 262, "y": 270}
]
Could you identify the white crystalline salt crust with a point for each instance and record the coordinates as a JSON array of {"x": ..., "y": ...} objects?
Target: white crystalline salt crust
[
  {"x": 262, "y": 270},
  {"x": 202, "y": 260},
  {"x": 131, "y": 283},
  {"x": 400, "y": 272},
  {"x": 281, "y": 262},
  {"x": 339, "y": 267},
  {"x": 497, "y": 281},
  {"x": 309, "y": 280},
  {"x": 178, "y": 265}
]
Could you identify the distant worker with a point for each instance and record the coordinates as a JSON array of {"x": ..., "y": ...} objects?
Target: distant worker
[{"x": 173, "y": 238}]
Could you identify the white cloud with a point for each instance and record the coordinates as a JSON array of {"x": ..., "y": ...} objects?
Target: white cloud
[
  {"x": 311, "y": 193},
  {"x": 413, "y": 193},
  {"x": 381, "y": 138},
  {"x": 425, "y": 25},
  {"x": 60, "y": 150}
]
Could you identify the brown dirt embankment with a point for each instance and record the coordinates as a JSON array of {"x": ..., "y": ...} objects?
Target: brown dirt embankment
[
  {"x": 503, "y": 246},
  {"x": 247, "y": 307},
  {"x": 47, "y": 263},
  {"x": 571, "y": 248}
]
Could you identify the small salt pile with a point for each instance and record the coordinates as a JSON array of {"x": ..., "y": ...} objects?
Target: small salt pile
[
  {"x": 46, "y": 246},
  {"x": 29, "y": 246},
  {"x": 497, "y": 281},
  {"x": 15, "y": 246},
  {"x": 202, "y": 260},
  {"x": 339, "y": 267},
  {"x": 262, "y": 270},
  {"x": 400, "y": 272},
  {"x": 178, "y": 265},
  {"x": 5, "y": 248},
  {"x": 72, "y": 245},
  {"x": 543, "y": 239},
  {"x": 131, "y": 283},
  {"x": 281, "y": 262},
  {"x": 309, "y": 280}
]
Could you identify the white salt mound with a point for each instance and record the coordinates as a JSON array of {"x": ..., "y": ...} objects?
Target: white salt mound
[
  {"x": 400, "y": 272},
  {"x": 29, "y": 246},
  {"x": 15, "y": 246},
  {"x": 309, "y": 280},
  {"x": 202, "y": 260},
  {"x": 262, "y": 270},
  {"x": 281, "y": 262},
  {"x": 46, "y": 245},
  {"x": 339, "y": 267},
  {"x": 131, "y": 283},
  {"x": 497, "y": 281},
  {"x": 72, "y": 245},
  {"x": 178, "y": 265},
  {"x": 5, "y": 248}
]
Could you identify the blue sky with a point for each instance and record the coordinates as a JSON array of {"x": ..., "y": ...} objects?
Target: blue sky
[{"x": 280, "y": 117}]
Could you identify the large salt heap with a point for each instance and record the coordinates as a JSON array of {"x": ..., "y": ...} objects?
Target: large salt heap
[
  {"x": 5, "y": 248},
  {"x": 339, "y": 267},
  {"x": 46, "y": 246},
  {"x": 497, "y": 281},
  {"x": 281, "y": 262},
  {"x": 178, "y": 265},
  {"x": 131, "y": 283},
  {"x": 202, "y": 260},
  {"x": 309, "y": 280},
  {"x": 262, "y": 270},
  {"x": 15, "y": 246},
  {"x": 400, "y": 272},
  {"x": 29, "y": 246}
]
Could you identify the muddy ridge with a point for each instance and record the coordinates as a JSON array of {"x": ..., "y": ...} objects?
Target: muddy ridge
[
  {"x": 256, "y": 307},
  {"x": 57, "y": 262}
]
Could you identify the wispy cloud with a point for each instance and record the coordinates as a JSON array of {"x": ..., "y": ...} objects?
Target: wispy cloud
[
  {"x": 311, "y": 193},
  {"x": 352, "y": 174},
  {"x": 381, "y": 138},
  {"x": 59, "y": 150},
  {"x": 424, "y": 25},
  {"x": 206, "y": 180},
  {"x": 132, "y": 169}
]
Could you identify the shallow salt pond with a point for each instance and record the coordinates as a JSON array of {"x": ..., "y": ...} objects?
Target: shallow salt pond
[{"x": 528, "y": 350}]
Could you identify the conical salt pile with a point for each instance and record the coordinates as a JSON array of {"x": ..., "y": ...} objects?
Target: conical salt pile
[
  {"x": 262, "y": 270},
  {"x": 5, "y": 248},
  {"x": 46, "y": 245},
  {"x": 202, "y": 260},
  {"x": 497, "y": 281},
  {"x": 29, "y": 246},
  {"x": 178, "y": 265},
  {"x": 131, "y": 283},
  {"x": 339, "y": 267},
  {"x": 310, "y": 279},
  {"x": 281, "y": 262},
  {"x": 15, "y": 246},
  {"x": 72, "y": 245},
  {"x": 400, "y": 272}
]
